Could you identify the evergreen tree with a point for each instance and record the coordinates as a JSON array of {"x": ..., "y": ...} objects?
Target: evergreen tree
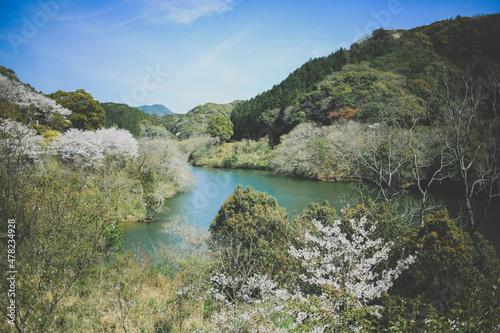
[
  {"x": 87, "y": 114},
  {"x": 220, "y": 127}
]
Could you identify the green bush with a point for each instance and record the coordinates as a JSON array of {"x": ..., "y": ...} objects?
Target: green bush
[
  {"x": 453, "y": 279},
  {"x": 447, "y": 253},
  {"x": 256, "y": 229}
]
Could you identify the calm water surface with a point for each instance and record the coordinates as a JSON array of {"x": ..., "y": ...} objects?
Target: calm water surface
[{"x": 202, "y": 203}]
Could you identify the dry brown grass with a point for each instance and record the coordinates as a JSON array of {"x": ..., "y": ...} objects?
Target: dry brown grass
[{"x": 129, "y": 296}]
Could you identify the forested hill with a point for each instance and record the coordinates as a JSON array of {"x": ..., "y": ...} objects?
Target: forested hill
[
  {"x": 387, "y": 64},
  {"x": 126, "y": 117},
  {"x": 195, "y": 121}
]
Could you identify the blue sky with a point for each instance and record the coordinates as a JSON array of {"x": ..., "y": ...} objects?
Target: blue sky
[{"x": 182, "y": 53}]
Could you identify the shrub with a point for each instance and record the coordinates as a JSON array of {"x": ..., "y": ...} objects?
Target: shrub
[
  {"x": 454, "y": 275},
  {"x": 448, "y": 253},
  {"x": 255, "y": 228}
]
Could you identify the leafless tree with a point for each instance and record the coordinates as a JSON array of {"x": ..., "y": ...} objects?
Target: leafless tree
[
  {"x": 428, "y": 165},
  {"x": 469, "y": 135},
  {"x": 192, "y": 238},
  {"x": 168, "y": 175},
  {"x": 381, "y": 158}
]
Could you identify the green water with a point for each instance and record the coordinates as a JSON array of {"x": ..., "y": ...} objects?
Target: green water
[{"x": 202, "y": 203}]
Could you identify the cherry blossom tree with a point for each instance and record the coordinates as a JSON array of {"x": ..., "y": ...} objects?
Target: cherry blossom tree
[
  {"x": 118, "y": 141},
  {"x": 17, "y": 140},
  {"x": 26, "y": 97},
  {"x": 87, "y": 148},
  {"x": 348, "y": 262},
  {"x": 345, "y": 267}
]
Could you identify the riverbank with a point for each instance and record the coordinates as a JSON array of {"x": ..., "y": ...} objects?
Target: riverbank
[
  {"x": 256, "y": 155},
  {"x": 246, "y": 154},
  {"x": 308, "y": 152}
]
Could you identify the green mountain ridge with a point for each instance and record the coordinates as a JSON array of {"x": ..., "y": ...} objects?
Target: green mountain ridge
[
  {"x": 133, "y": 119},
  {"x": 355, "y": 83},
  {"x": 127, "y": 117},
  {"x": 311, "y": 92},
  {"x": 195, "y": 121}
]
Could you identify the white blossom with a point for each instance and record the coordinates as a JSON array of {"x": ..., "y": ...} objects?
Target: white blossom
[
  {"x": 88, "y": 148},
  {"x": 242, "y": 289},
  {"x": 348, "y": 263},
  {"x": 26, "y": 97},
  {"x": 18, "y": 140}
]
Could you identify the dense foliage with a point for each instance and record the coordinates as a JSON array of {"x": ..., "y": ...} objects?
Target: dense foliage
[
  {"x": 244, "y": 154},
  {"x": 442, "y": 276},
  {"x": 407, "y": 55},
  {"x": 220, "y": 127},
  {"x": 194, "y": 123},
  {"x": 61, "y": 227},
  {"x": 87, "y": 113},
  {"x": 262, "y": 115},
  {"x": 254, "y": 229},
  {"x": 125, "y": 117},
  {"x": 66, "y": 209}
]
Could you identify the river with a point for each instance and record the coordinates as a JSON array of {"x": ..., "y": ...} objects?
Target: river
[{"x": 202, "y": 203}]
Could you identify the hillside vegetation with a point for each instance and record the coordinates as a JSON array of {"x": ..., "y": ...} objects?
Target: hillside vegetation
[
  {"x": 126, "y": 117},
  {"x": 310, "y": 93},
  {"x": 194, "y": 123}
]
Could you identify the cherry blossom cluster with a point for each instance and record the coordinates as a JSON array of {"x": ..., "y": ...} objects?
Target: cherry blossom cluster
[
  {"x": 229, "y": 289},
  {"x": 345, "y": 268},
  {"x": 18, "y": 140},
  {"x": 256, "y": 304},
  {"x": 251, "y": 304},
  {"x": 249, "y": 319},
  {"x": 348, "y": 262},
  {"x": 25, "y": 96},
  {"x": 88, "y": 148}
]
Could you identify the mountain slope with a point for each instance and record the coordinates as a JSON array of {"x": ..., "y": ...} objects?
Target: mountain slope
[
  {"x": 22, "y": 102},
  {"x": 195, "y": 121},
  {"x": 125, "y": 117},
  {"x": 310, "y": 94}
]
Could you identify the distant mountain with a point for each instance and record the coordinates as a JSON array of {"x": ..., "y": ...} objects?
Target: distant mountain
[{"x": 155, "y": 109}]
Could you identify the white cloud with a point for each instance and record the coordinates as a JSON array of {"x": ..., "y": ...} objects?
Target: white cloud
[
  {"x": 153, "y": 11},
  {"x": 214, "y": 59},
  {"x": 187, "y": 11}
]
